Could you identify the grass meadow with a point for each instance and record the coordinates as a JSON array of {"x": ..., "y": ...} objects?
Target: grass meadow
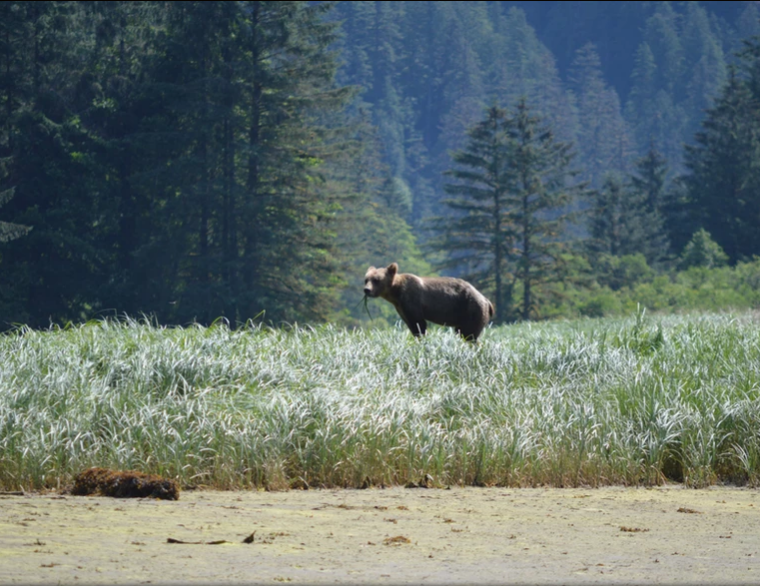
[{"x": 641, "y": 400}]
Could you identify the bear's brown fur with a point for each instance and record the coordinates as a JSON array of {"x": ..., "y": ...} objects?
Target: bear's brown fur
[{"x": 442, "y": 300}]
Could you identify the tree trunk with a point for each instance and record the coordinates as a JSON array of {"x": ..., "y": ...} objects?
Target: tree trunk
[{"x": 252, "y": 240}]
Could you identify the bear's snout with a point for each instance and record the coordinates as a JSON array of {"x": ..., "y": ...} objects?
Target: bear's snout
[{"x": 368, "y": 291}]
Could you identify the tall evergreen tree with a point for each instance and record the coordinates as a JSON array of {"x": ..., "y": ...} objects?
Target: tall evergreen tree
[
  {"x": 46, "y": 161},
  {"x": 705, "y": 61},
  {"x": 173, "y": 158},
  {"x": 627, "y": 215},
  {"x": 108, "y": 98},
  {"x": 747, "y": 26},
  {"x": 649, "y": 190},
  {"x": 14, "y": 28},
  {"x": 661, "y": 34},
  {"x": 544, "y": 191},
  {"x": 246, "y": 102},
  {"x": 609, "y": 220},
  {"x": 651, "y": 111},
  {"x": 527, "y": 68},
  {"x": 193, "y": 66},
  {"x": 286, "y": 249},
  {"x": 480, "y": 235},
  {"x": 602, "y": 133},
  {"x": 515, "y": 191},
  {"x": 640, "y": 107},
  {"x": 723, "y": 183}
]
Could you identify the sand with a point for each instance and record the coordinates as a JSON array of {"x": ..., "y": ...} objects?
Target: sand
[{"x": 669, "y": 535}]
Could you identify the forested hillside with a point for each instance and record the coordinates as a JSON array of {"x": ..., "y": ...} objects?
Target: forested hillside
[
  {"x": 613, "y": 77},
  {"x": 249, "y": 160}
]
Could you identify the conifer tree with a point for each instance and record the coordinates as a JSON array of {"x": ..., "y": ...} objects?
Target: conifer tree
[
  {"x": 661, "y": 34},
  {"x": 602, "y": 133},
  {"x": 13, "y": 28},
  {"x": 515, "y": 191},
  {"x": 109, "y": 99},
  {"x": 246, "y": 99},
  {"x": 640, "y": 108},
  {"x": 704, "y": 60},
  {"x": 747, "y": 27},
  {"x": 724, "y": 183},
  {"x": 648, "y": 190},
  {"x": 541, "y": 201},
  {"x": 627, "y": 214},
  {"x": 607, "y": 218},
  {"x": 45, "y": 164},
  {"x": 480, "y": 236},
  {"x": 702, "y": 251}
]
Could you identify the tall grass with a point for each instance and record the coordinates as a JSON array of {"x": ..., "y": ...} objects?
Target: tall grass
[{"x": 633, "y": 401}]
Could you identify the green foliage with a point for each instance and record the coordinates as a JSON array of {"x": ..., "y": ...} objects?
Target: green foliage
[
  {"x": 702, "y": 251},
  {"x": 616, "y": 219},
  {"x": 479, "y": 234},
  {"x": 602, "y": 139},
  {"x": 516, "y": 192},
  {"x": 642, "y": 100},
  {"x": 600, "y": 304},
  {"x": 250, "y": 201},
  {"x": 693, "y": 289},
  {"x": 372, "y": 231},
  {"x": 544, "y": 193},
  {"x": 649, "y": 190},
  {"x": 8, "y": 230},
  {"x": 627, "y": 216},
  {"x": 679, "y": 68},
  {"x": 176, "y": 159},
  {"x": 722, "y": 186},
  {"x": 193, "y": 160},
  {"x": 704, "y": 64},
  {"x": 617, "y": 272},
  {"x": 428, "y": 68}
]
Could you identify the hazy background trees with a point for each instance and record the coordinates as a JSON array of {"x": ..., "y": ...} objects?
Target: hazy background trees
[{"x": 191, "y": 160}]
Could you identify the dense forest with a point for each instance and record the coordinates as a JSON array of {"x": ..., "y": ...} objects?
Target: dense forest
[{"x": 192, "y": 161}]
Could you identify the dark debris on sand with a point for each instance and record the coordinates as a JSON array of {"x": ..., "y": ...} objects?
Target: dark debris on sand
[{"x": 126, "y": 484}]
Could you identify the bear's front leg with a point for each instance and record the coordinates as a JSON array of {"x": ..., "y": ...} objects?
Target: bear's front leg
[
  {"x": 413, "y": 320},
  {"x": 417, "y": 325}
]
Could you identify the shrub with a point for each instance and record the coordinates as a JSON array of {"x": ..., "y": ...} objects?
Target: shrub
[{"x": 702, "y": 251}]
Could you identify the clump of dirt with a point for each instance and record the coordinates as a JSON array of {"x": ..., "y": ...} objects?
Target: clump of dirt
[
  {"x": 399, "y": 539},
  {"x": 124, "y": 484},
  {"x": 688, "y": 510}
]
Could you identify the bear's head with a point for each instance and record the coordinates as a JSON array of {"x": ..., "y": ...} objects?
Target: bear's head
[{"x": 377, "y": 282}]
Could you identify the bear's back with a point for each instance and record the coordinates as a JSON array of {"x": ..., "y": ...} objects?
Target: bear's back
[{"x": 453, "y": 302}]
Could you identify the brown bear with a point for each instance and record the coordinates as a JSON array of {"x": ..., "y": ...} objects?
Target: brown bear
[{"x": 442, "y": 300}]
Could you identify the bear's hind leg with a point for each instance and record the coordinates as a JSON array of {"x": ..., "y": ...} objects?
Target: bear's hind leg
[
  {"x": 471, "y": 331},
  {"x": 469, "y": 335}
]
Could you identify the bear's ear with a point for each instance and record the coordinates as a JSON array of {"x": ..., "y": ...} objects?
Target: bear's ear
[{"x": 392, "y": 269}]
